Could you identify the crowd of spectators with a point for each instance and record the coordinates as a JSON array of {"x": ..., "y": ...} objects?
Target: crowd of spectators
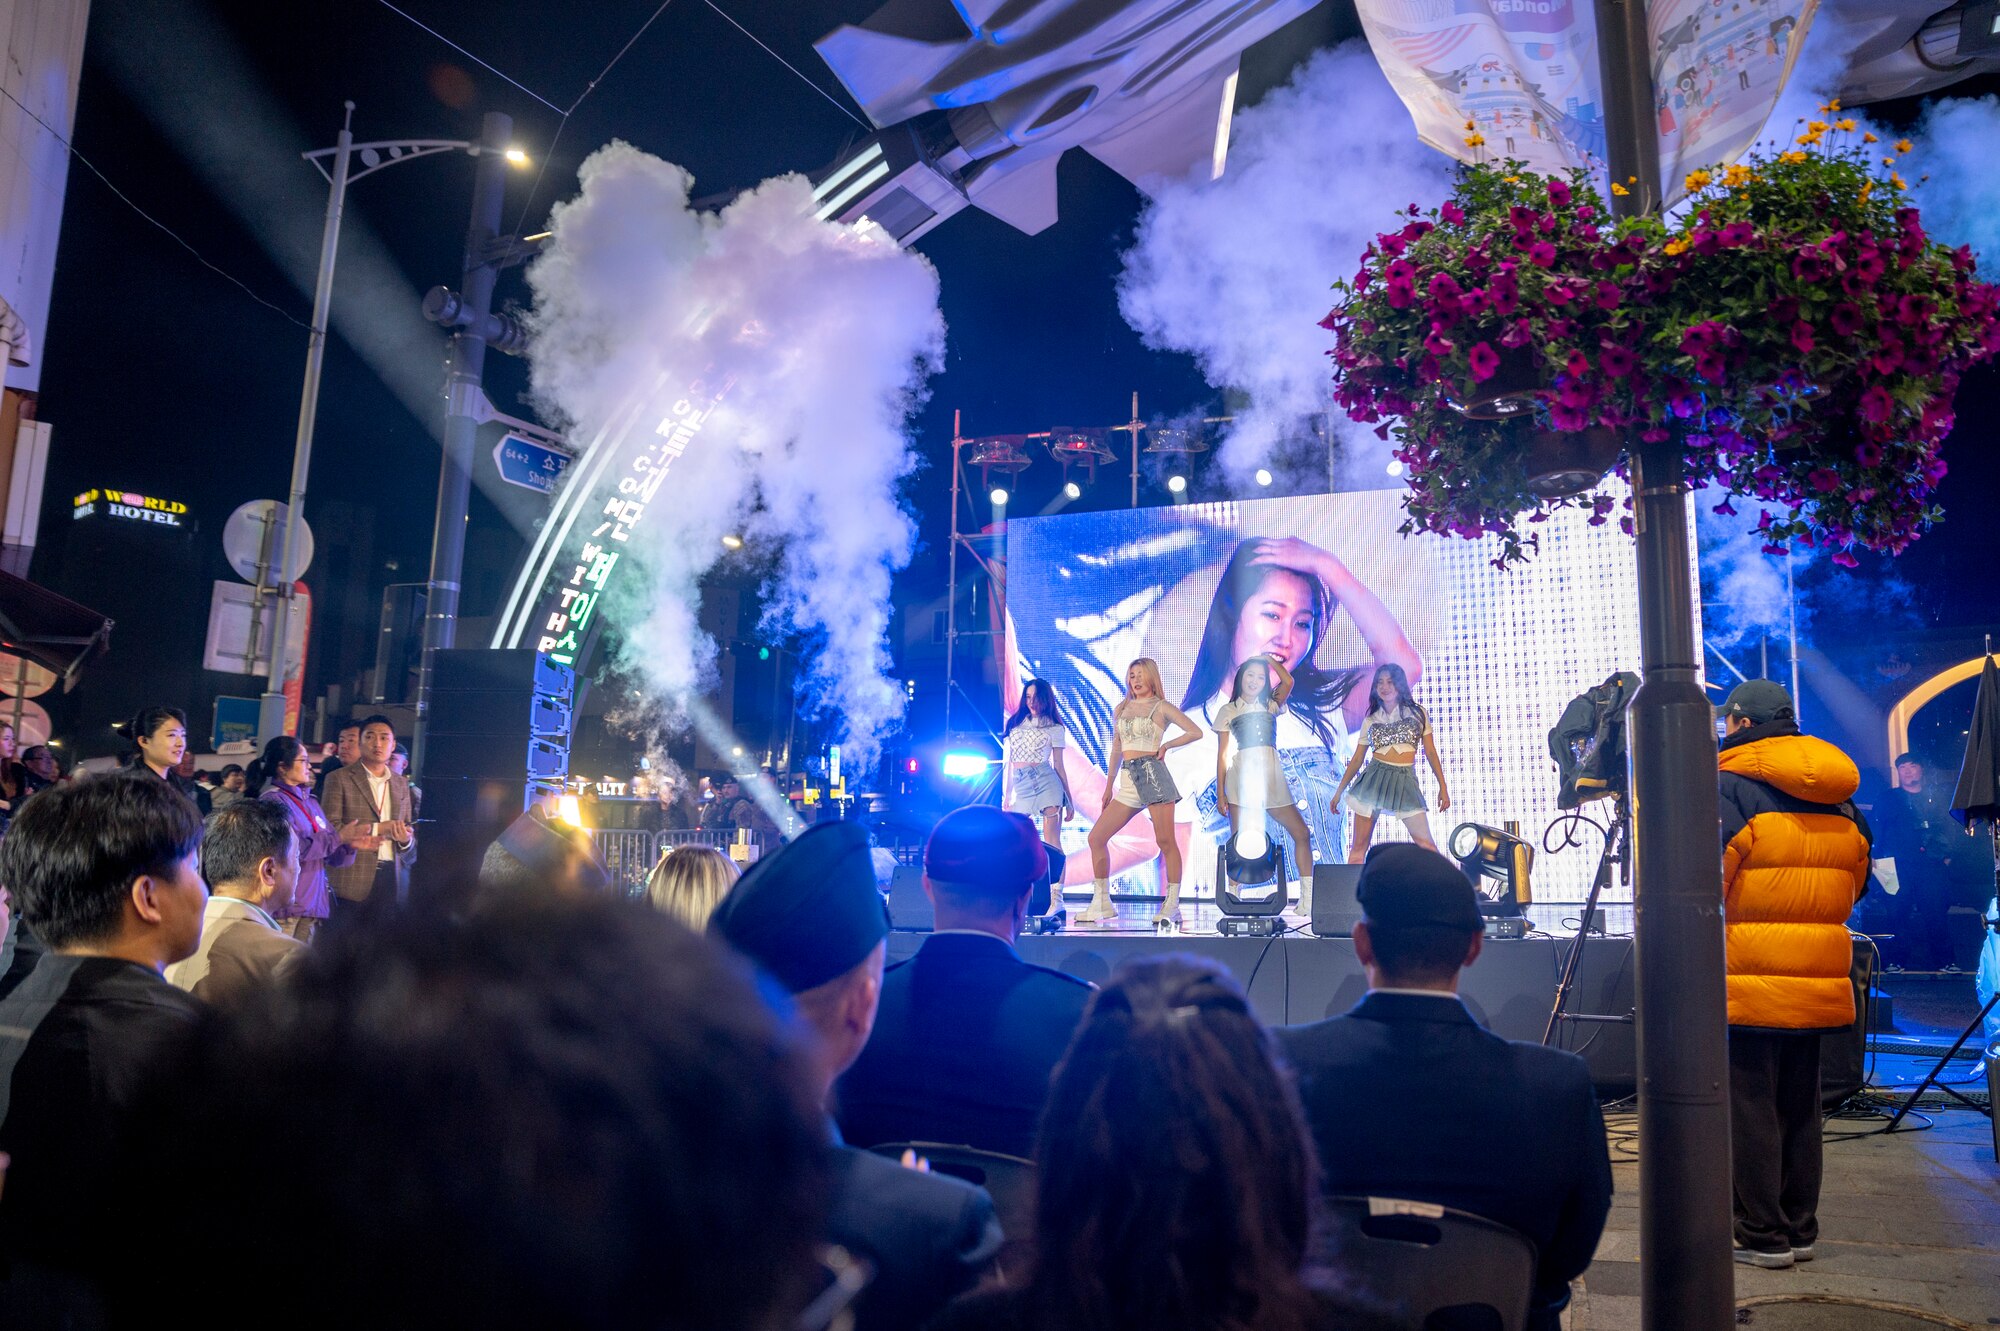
[{"x": 556, "y": 1107}]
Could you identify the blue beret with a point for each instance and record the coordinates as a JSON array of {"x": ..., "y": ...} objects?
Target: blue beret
[{"x": 809, "y": 911}]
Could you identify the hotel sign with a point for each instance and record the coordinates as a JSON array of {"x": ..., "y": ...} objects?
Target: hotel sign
[{"x": 128, "y": 506}]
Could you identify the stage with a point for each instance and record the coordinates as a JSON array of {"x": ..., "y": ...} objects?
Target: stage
[{"x": 1299, "y": 978}]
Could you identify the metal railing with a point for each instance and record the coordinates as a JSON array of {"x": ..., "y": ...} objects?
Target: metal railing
[{"x": 630, "y": 854}]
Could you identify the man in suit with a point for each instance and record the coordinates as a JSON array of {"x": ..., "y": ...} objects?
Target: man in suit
[
  {"x": 249, "y": 856},
  {"x": 968, "y": 1034},
  {"x": 367, "y": 791},
  {"x": 810, "y": 916},
  {"x": 1408, "y": 1096},
  {"x": 106, "y": 873},
  {"x": 346, "y": 751}
]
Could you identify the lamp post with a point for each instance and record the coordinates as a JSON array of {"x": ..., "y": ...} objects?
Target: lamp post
[
  {"x": 1687, "y": 1272},
  {"x": 336, "y": 164}
]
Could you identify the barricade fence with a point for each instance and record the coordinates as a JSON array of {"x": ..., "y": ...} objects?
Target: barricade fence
[{"x": 629, "y": 854}]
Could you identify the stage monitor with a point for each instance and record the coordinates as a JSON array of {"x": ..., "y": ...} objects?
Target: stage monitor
[
  {"x": 1328, "y": 583},
  {"x": 1336, "y": 902}
]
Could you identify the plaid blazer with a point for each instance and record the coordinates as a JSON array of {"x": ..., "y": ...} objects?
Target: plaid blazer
[{"x": 348, "y": 798}]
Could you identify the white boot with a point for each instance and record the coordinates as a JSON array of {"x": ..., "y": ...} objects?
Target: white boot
[
  {"x": 1305, "y": 889},
  {"x": 1170, "y": 909},
  {"x": 1100, "y": 907}
]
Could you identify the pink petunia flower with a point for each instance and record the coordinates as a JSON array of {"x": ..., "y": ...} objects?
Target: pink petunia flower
[{"x": 1485, "y": 362}]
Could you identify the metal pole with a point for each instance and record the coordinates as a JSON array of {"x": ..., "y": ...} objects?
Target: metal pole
[
  {"x": 465, "y": 367},
  {"x": 1792, "y": 609},
  {"x": 271, "y": 708},
  {"x": 1687, "y": 1275},
  {"x": 951, "y": 595},
  {"x": 1135, "y": 450}
]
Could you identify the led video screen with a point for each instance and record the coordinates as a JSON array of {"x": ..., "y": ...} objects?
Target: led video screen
[{"x": 1328, "y": 583}]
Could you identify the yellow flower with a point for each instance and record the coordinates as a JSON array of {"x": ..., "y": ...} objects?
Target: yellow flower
[
  {"x": 1698, "y": 180},
  {"x": 1736, "y": 176},
  {"x": 1844, "y": 126},
  {"x": 1832, "y": 107},
  {"x": 1869, "y": 137},
  {"x": 1888, "y": 161},
  {"x": 1809, "y": 139},
  {"x": 1470, "y": 125},
  {"x": 1474, "y": 140},
  {"x": 1898, "y": 181},
  {"x": 1619, "y": 189},
  {"x": 1867, "y": 189},
  {"x": 1903, "y": 145},
  {"x": 1510, "y": 180},
  {"x": 1676, "y": 247},
  {"x": 1794, "y": 156}
]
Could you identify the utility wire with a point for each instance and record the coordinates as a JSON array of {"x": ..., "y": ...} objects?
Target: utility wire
[
  {"x": 868, "y": 128},
  {"x": 473, "y": 58},
  {"x": 125, "y": 199}
]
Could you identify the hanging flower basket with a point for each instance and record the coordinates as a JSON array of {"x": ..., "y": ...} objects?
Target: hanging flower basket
[
  {"x": 1561, "y": 464},
  {"x": 1797, "y": 335}
]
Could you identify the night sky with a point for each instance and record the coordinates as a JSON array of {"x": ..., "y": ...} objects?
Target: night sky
[{"x": 162, "y": 376}]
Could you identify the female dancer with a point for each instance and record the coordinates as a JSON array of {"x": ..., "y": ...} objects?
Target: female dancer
[
  {"x": 283, "y": 776},
  {"x": 1391, "y": 732},
  {"x": 1139, "y": 779},
  {"x": 1246, "y": 760},
  {"x": 1277, "y": 598},
  {"x": 1035, "y": 737}
]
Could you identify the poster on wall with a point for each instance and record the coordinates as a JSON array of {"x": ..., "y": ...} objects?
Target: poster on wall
[{"x": 1327, "y": 584}]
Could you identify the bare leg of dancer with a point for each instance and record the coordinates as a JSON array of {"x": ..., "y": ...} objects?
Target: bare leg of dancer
[
  {"x": 1419, "y": 826},
  {"x": 1109, "y": 823},
  {"x": 1170, "y": 860},
  {"x": 1289, "y": 819},
  {"x": 1364, "y": 828}
]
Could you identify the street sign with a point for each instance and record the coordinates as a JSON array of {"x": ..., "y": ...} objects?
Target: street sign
[
  {"x": 255, "y": 534},
  {"x": 530, "y": 465},
  {"x": 235, "y": 722},
  {"x": 232, "y": 611}
]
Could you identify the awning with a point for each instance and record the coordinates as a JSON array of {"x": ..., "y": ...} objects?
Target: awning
[{"x": 48, "y": 629}]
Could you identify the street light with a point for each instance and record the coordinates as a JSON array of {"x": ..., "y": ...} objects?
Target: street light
[{"x": 335, "y": 164}]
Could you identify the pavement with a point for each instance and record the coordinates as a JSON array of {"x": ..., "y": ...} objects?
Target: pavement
[{"x": 1909, "y": 1222}]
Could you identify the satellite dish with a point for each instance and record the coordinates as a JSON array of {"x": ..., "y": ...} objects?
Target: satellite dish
[
  {"x": 22, "y": 678},
  {"x": 245, "y": 534}
]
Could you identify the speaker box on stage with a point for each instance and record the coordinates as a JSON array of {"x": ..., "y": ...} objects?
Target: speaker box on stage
[
  {"x": 497, "y": 731},
  {"x": 1336, "y": 907}
]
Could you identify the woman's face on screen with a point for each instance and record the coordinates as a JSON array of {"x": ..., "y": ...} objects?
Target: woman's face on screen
[{"x": 1277, "y": 620}]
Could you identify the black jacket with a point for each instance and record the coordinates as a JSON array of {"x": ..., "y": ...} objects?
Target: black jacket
[
  {"x": 928, "y": 1237},
  {"x": 965, "y": 1040},
  {"x": 78, "y": 1038},
  {"x": 1409, "y": 1097}
]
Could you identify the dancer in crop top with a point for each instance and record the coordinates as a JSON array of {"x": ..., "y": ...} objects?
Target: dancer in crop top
[
  {"x": 1389, "y": 737},
  {"x": 1139, "y": 779},
  {"x": 1247, "y": 770},
  {"x": 1035, "y": 736}
]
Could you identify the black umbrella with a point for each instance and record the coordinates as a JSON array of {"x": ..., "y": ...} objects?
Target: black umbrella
[
  {"x": 1977, "y": 797},
  {"x": 1978, "y": 792}
]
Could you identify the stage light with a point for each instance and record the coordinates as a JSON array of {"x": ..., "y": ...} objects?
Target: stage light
[
  {"x": 1073, "y": 490},
  {"x": 1177, "y": 483},
  {"x": 515, "y": 157},
  {"x": 999, "y": 497},
  {"x": 966, "y": 766},
  {"x": 1499, "y": 864},
  {"x": 732, "y": 542},
  {"x": 1263, "y": 476},
  {"x": 1395, "y": 467},
  {"x": 569, "y": 810}
]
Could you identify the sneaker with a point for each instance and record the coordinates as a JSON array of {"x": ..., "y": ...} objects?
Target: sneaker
[
  {"x": 1950, "y": 968},
  {"x": 1777, "y": 1260},
  {"x": 1893, "y": 968},
  {"x": 1804, "y": 1254}
]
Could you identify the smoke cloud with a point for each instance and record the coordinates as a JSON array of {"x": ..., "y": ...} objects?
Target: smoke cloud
[
  {"x": 1238, "y": 271},
  {"x": 818, "y": 338}
]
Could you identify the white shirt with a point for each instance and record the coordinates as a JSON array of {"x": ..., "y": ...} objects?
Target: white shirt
[{"x": 378, "y": 790}]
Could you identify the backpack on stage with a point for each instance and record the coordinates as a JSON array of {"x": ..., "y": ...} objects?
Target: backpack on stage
[{"x": 1588, "y": 742}]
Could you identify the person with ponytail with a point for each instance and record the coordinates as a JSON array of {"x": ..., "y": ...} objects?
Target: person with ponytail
[
  {"x": 1175, "y": 1177},
  {"x": 159, "y": 740},
  {"x": 283, "y": 776}
]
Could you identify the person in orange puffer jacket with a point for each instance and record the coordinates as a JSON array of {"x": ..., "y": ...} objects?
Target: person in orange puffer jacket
[{"x": 1795, "y": 856}]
